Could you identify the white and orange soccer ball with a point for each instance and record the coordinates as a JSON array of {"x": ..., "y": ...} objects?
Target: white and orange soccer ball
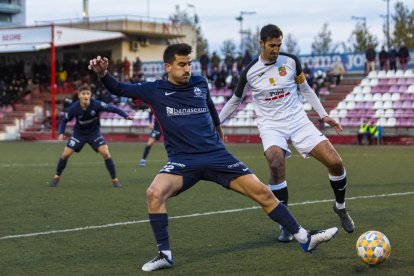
[{"x": 373, "y": 247}]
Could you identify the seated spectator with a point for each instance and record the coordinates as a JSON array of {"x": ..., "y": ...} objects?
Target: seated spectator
[
  {"x": 320, "y": 78},
  {"x": 336, "y": 72},
  {"x": 372, "y": 132},
  {"x": 220, "y": 81},
  {"x": 378, "y": 137},
  {"x": 229, "y": 60},
  {"x": 233, "y": 82},
  {"x": 363, "y": 132}
]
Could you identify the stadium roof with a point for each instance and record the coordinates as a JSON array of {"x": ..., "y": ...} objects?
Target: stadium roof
[{"x": 28, "y": 39}]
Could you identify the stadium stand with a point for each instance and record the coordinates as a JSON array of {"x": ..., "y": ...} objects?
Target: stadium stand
[{"x": 384, "y": 96}]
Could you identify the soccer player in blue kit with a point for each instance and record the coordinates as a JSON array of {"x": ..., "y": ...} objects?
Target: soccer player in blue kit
[
  {"x": 155, "y": 135},
  {"x": 192, "y": 138},
  {"x": 86, "y": 130}
]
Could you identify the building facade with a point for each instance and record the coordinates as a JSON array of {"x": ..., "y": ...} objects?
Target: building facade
[{"x": 12, "y": 13}]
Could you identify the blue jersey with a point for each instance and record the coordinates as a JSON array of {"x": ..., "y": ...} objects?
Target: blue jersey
[
  {"x": 87, "y": 121},
  {"x": 186, "y": 113}
]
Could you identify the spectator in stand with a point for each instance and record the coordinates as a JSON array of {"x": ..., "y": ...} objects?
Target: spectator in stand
[
  {"x": 74, "y": 70},
  {"x": 403, "y": 56},
  {"x": 62, "y": 76},
  {"x": 372, "y": 132},
  {"x": 247, "y": 58},
  {"x": 229, "y": 61},
  {"x": 392, "y": 58},
  {"x": 370, "y": 56},
  {"x": 239, "y": 63},
  {"x": 155, "y": 135},
  {"x": 336, "y": 72},
  {"x": 319, "y": 81},
  {"x": 137, "y": 65},
  {"x": 383, "y": 58},
  {"x": 215, "y": 61},
  {"x": 126, "y": 69},
  {"x": 220, "y": 80},
  {"x": 362, "y": 132},
  {"x": 204, "y": 62},
  {"x": 234, "y": 80},
  {"x": 308, "y": 74}
]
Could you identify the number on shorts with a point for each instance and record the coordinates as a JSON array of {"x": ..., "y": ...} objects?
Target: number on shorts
[
  {"x": 167, "y": 168},
  {"x": 72, "y": 143}
]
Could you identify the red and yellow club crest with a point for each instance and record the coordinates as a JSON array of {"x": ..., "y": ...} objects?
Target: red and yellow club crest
[{"x": 282, "y": 71}]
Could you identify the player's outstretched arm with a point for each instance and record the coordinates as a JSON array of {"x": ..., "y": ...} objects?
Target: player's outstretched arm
[{"x": 136, "y": 91}]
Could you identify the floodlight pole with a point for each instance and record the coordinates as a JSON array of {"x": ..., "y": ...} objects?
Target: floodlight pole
[
  {"x": 362, "y": 18},
  {"x": 240, "y": 18},
  {"x": 53, "y": 80},
  {"x": 388, "y": 23}
]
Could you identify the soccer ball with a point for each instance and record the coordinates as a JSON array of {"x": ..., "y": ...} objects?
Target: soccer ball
[{"x": 373, "y": 247}]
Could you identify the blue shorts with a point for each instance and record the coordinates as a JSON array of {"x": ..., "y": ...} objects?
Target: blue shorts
[
  {"x": 220, "y": 167},
  {"x": 156, "y": 133},
  {"x": 77, "y": 141}
]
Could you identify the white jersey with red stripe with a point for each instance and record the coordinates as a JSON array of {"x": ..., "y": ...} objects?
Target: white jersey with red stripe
[{"x": 274, "y": 88}]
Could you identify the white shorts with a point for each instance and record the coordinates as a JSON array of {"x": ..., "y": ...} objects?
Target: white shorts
[{"x": 304, "y": 136}]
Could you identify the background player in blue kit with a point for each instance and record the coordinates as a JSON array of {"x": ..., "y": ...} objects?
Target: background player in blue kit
[
  {"x": 86, "y": 130},
  {"x": 192, "y": 138},
  {"x": 155, "y": 135}
]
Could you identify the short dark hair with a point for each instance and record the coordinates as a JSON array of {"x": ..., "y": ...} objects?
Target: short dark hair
[
  {"x": 180, "y": 49},
  {"x": 270, "y": 31},
  {"x": 84, "y": 87}
]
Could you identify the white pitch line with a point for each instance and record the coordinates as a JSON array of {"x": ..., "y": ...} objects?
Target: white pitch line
[{"x": 188, "y": 216}]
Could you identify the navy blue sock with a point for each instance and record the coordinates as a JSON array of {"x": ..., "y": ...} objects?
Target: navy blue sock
[
  {"x": 146, "y": 152},
  {"x": 159, "y": 224},
  {"x": 282, "y": 215},
  {"x": 110, "y": 166},
  {"x": 61, "y": 166}
]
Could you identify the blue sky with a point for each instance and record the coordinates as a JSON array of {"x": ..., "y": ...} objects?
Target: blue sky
[{"x": 303, "y": 19}]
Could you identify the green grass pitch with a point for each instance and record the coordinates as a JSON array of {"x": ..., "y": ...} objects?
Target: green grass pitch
[{"x": 87, "y": 227}]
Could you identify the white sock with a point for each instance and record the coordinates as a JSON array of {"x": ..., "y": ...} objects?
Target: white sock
[
  {"x": 167, "y": 253},
  {"x": 340, "y": 205},
  {"x": 302, "y": 235}
]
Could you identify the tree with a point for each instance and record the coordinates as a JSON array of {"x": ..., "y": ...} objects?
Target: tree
[
  {"x": 182, "y": 17},
  {"x": 253, "y": 42},
  {"x": 403, "y": 26},
  {"x": 361, "y": 37},
  {"x": 322, "y": 42},
  {"x": 228, "y": 46},
  {"x": 290, "y": 45}
]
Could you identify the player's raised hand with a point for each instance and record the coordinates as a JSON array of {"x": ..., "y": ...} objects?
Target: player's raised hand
[
  {"x": 99, "y": 65},
  {"x": 333, "y": 123}
]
